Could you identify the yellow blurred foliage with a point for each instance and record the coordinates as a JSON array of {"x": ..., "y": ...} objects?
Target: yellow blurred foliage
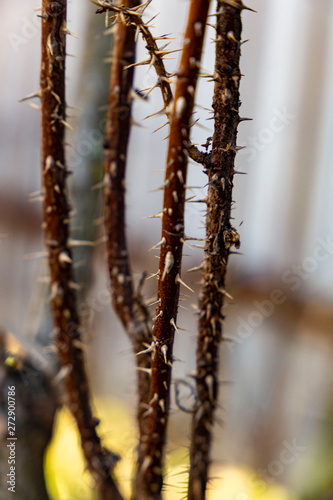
[
  {"x": 67, "y": 478},
  {"x": 65, "y": 472}
]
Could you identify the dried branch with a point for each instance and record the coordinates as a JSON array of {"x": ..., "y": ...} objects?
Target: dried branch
[
  {"x": 198, "y": 156},
  {"x": 221, "y": 236},
  {"x": 56, "y": 222},
  {"x": 128, "y": 305},
  {"x": 149, "y": 480},
  {"x": 133, "y": 15}
]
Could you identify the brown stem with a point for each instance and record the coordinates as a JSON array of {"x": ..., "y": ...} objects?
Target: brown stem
[
  {"x": 151, "y": 453},
  {"x": 131, "y": 15},
  {"x": 56, "y": 223},
  {"x": 128, "y": 305},
  {"x": 221, "y": 236},
  {"x": 198, "y": 156}
]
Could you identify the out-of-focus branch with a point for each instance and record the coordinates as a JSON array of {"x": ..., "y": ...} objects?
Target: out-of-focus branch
[
  {"x": 220, "y": 237},
  {"x": 28, "y": 404},
  {"x": 128, "y": 305},
  {"x": 56, "y": 223},
  {"x": 149, "y": 480}
]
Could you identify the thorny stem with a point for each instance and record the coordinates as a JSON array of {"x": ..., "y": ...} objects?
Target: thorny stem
[
  {"x": 221, "y": 236},
  {"x": 149, "y": 480},
  {"x": 128, "y": 305},
  {"x": 56, "y": 222},
  {"x": 129, "y": 15}
]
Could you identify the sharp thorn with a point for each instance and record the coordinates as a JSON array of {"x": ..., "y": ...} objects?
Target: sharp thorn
[
  {"x": 31, "y": 96},
  {"x": 186, "y": 244},
  {"x": 162, "y": 126},
  {"x": 157, "y": 113},
  {"x": 73, "y": 35},
  {"x": 140, "y": 63},
  {"x": 158, "y": 216},
  {"x": 180, "y": 281},
  {"x": 145, "y": 370},
  {"x": 34, "y": 106},
  {"x": 173, "y": 323},
  {"x": 153, "y": 275},
  {"x": 160, "y": 243},
  {"x": 146, "y": 351},
  {"x": 193, "y": 269},
  {"x": 35, "y": 255}
]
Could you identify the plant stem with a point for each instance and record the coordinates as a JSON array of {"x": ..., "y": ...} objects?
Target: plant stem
[
  {"x": 220, "y": 237},
  {"x": 56, "y": 223},
  {"x": 131, "y": 15},
  {"x": 149, "y": 480},
  {"x": 128, "y": 305}
]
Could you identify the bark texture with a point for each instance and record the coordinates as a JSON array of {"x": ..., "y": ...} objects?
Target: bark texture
[
  {"x": 221, "y": 237},
  {"x": 56, "y": 224},
  {"x": 149, "y": 480},
  {"x": 127, "y": 303}
]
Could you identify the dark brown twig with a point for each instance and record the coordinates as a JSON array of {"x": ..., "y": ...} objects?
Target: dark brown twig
[
  {"x": 131, "y": 15},
  {"x": 128, "y": 305},
  {"x": 56, "y": 221},
  {"x": 198, "y": 156},
  {"x": 149, "y": 480},
  {"x": 221, "y": 236}
]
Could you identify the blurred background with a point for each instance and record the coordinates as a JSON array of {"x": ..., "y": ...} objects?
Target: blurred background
[{"x": 276, "y": 434}]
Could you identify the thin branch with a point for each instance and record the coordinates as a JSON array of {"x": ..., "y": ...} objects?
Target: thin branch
[
  {"x": 198, "y": 156},
  {"x": 149, "y": 480},
  {"x": 128, "y": 305},
  {"x": 56, "y": 221},
  {"x": 129, "y": 15},
  {"x": 220, "y": 236}
]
